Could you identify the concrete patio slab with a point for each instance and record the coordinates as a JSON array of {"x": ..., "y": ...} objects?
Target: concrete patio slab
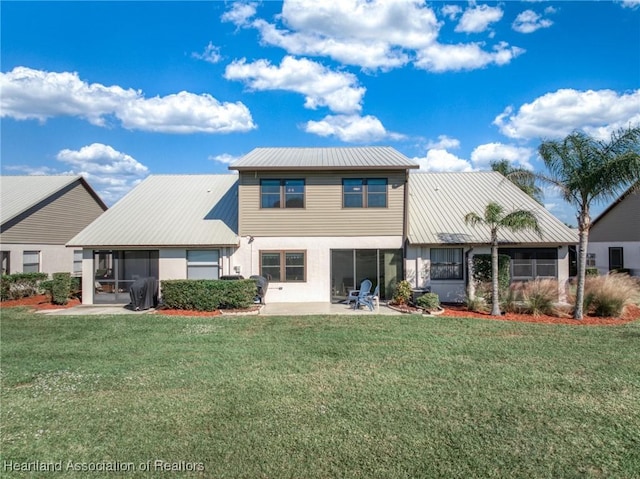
[{"x": 93, "y": 310}]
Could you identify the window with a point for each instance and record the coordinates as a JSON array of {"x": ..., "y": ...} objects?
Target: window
[
  {"x": 446, "y": 263},
  {"x": 31, "y": 262},
  {"x": 77, "y": 261},
  {"x": 6, "y": 257},
  {"x": 364, "y": 193},
  {"x": 282, "y": 193},
  {"x": 591, "y": 260},
  {"x": 616, "y": 258},
  {"x": 283, "y": 266},
  {"x": 527, "y": 264},
  {"x": 203, "y": 264}
]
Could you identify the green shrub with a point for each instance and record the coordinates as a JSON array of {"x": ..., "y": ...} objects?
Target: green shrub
[
  {"x": 591, "y": 272},
  {"x": 477, "y": 304},
  {"x": 429, "y": 301},
  {"x": 402, "y": 292},
  {"x": 482, "y": 270},
  {"x": 21, "y": 285},
  {"x": 76, "y": 287},
  {"x": 208, "y": 294},
  {"x": 61, "y": 289},
  {"x": 609, "y": 295},
  {"x": 47, "y": 287}
]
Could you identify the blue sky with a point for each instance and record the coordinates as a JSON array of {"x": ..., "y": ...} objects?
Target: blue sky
[{"x": 120, "y": 90}]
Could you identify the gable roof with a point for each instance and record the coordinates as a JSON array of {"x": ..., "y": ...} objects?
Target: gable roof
[
  {"x": 169, "y": 210},
  {"x": 438, "y": 203},
  {"x": 633, "y": 189},
  {"x": 18, "y": 193},
  {"x": 357, "y": 158}
]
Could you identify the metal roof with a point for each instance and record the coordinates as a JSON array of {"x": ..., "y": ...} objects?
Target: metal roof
[
  {"x": 357, "y": 158},
  {"x": 438, "y": 203},
  {"x": 169, "y": 210},
  {"x": 19, "y": 193}
]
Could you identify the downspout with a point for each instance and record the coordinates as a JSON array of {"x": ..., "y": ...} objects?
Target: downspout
[{"x": 405, "y": 224}]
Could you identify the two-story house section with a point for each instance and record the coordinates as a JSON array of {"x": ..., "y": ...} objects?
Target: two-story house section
[{"x": 318, "y": 221}]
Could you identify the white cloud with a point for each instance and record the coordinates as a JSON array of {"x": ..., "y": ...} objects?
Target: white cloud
[
  {"x": 477, "y": 18},
  {"x": 483, "y": 155},
  {"x": 377, "y": 34},
  {"x": 438, "y": 159},
  {"x": 186, "y": 112},
  {"x": 464, "y": 56},
  {"x": 351, "y": 128},
  {"x": 35, "y": 94},
  {"x": 110, "y": 172},
  {"x": 555, "y": 115},
  {"x": 630, "y": 3},
  {"x": 451, "y": 11},
  {"x": 211, "y": 54},
  {"x": 240, "y": 13},
  {"x": 224, "y": 158},
  {"x": 321, "y": 86},
  {"x": 444, "y": 142},
  {"x": 529, "y": 21}
]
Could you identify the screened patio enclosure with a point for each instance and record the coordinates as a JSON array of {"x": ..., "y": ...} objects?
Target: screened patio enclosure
[
  {"x": 115, "y": 271},
  {"x": 349, "y": 267}
]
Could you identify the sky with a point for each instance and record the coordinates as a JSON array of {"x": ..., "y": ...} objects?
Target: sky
[{"x": 117, "y": 91}]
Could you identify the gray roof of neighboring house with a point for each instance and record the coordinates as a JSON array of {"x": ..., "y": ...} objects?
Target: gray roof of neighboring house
[
  {"x": 169, "y": 210},
  {"x": 20, "y": 193},
  {"x": 356, "y": 158},
  {"x": 438, "y": 203}
]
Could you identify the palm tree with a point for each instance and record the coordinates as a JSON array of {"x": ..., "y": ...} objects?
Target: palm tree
[
  {"x": 586, "y": 170},
  {"x": 496, "y": 220},
  {"x": 522, "y": 178}
]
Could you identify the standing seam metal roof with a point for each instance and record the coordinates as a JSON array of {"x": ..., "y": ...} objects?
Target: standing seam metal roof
[
  {"x": 438, "y": 203},
  {"x": 323, "y": 158},
  {"x": 169, "y": 210}
]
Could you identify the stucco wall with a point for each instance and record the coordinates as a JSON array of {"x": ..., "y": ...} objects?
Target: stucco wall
[
  {"x": 53, "y": 258},
  {"x": 630, "y": 252}
]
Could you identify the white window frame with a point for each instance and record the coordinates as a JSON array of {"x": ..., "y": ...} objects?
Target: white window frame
[{"x": 25, "y": 264}]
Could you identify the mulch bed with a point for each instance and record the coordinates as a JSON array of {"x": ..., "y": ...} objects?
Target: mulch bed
[{"x": 632, "y": 313}]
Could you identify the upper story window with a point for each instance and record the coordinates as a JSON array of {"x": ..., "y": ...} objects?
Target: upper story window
[
  {"x": 281, "y": 193},
  {"x": 364, "y": 192}
]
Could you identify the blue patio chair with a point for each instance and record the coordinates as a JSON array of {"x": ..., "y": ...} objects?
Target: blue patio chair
[
  {"x": 365, "y": 288},
  {"x": 369, "y": 300}
]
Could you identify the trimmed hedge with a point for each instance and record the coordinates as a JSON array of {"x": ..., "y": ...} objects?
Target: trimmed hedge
[
  {"x": 208, "y": 294},
  {"x": 61, "y": 288},
  {"x": 21, "y": 285}
]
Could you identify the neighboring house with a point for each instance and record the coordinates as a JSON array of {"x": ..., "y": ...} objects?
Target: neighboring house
[
  {"x": 440, "y": 241},
  {"x": 39, "y": 215},
  {"x": 614, "y": 238},
  {"x": 316, "y": 221}
]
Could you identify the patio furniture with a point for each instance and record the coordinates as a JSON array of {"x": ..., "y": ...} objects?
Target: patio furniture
[
  {"x": 354, "y": 294},
  {"x": 369, "y": 300}
]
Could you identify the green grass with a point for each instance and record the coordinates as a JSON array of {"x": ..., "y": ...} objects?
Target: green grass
[{"x": 321, "y": 397}]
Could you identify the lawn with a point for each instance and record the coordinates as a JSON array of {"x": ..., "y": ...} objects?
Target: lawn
[{"x": 318, "y": 397}]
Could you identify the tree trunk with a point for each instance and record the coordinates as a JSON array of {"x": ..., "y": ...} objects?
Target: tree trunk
[
  {"x": 584, "y": 223},
  {"x": 495, "y": 300}
]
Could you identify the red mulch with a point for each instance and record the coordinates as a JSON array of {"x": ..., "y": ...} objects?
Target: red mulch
[
  {"x": 40, "y": 301},
  {"x": 632, "y": 313}
]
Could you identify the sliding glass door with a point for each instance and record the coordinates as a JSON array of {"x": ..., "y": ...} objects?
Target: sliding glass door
[{"x": 349, "y": 267}]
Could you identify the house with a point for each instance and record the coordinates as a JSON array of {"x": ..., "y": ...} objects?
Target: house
[
  {"x": 316, "y": 221},
  {"x": 39, "y": 215},
  {"x": 614, "y": 237},
  {"x": 440, "y": 243},
  {"x": 168, "y": 227}
]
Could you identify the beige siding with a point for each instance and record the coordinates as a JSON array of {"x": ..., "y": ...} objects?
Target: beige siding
[
  {"x": 61, "y": 217},
  {"x": 620, "y": 223},
  {"x": 323, "y": 214}
]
